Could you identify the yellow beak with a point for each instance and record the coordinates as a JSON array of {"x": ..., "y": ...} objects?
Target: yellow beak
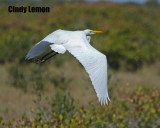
[{"x": 94, "y": 31}]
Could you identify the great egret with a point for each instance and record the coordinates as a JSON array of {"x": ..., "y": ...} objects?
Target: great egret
[{"x": 78, "y": 44}]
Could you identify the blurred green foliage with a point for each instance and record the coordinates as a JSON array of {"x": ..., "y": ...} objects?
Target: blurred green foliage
[
  {"x": 141, "y": 109},
  {"x": 35, "y": 76},
  {"x": 131, "y": 39},
  {"x": 131, "y": 32},
  {"x": 17, "y": 76}
]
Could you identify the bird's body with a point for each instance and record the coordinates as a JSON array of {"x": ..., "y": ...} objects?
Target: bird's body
[{"x": 78, "y": 44}]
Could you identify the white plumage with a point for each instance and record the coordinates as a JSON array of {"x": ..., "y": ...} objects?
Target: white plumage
[{"x": 78, "y": 44}]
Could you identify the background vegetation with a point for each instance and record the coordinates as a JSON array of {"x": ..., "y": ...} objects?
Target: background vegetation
[{"x": 52, "y": 95}]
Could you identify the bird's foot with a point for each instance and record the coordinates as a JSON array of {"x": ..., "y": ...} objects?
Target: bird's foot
[{"x": 38, "y": 60}]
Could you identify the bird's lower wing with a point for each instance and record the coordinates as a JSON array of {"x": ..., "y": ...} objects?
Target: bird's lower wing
[
  {"x": 37, "y": 49},
  {"x": 95, "y": 64}
]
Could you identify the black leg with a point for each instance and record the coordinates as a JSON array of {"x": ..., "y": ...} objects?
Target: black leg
[
  {"x": 43, "y": 60},
  {"x": 46, "y": 55}
]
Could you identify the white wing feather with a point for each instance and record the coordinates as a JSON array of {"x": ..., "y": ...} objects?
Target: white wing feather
[
  {"x": 95, "y": 63},
  {"x": 58, "y": 48}
]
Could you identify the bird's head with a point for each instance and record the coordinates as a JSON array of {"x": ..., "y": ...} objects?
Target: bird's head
[{"x": 91, "y": 32}]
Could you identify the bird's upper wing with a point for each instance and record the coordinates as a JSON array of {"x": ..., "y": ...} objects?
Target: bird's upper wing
[
  {"x": 95, "y": 63},
  {"x": 37, "y": 49},
  {"x": 53, "y": 38}
]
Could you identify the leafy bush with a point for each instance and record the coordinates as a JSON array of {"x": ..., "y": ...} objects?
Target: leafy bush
[
  {"x": 130, "y": 38},
  {"x": 17, "y": 76},
  {"x": 37, "y": 76},
  {"x": 34, "y": 76},
  {"x": 140, "y": 109},
  {"x": 20, "y": 80},
  {"x": 60, "y": 81}
]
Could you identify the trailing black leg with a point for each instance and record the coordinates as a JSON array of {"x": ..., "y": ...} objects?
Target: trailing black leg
[
  {"x": 46, "y": 55},
  {"x": 49, "y": 57},
  {"x": 42, "y": 59}
]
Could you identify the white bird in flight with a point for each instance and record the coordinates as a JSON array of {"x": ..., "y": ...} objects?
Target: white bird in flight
[{"x": 78, "y": 44}]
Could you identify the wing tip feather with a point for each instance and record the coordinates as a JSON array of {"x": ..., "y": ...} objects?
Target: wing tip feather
[
  {"x": 28, "y": 57},
  {"x": 104, "y": 100}
]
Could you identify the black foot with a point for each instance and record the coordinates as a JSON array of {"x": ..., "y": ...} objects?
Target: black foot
[{"x": 38, "y": 60}]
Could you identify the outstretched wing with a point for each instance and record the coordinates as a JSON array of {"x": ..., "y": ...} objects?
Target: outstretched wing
[
  {"x": 40, "y": 47},
  {"x": 95, "y": 63},
  {"x": 37, "y": 49}
]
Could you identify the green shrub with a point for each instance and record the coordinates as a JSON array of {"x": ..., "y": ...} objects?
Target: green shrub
[
  {"x": 130, "y": 37},
  {"x": 36, "y": 76},
  {"x": 140, "y": 109},
  {"x": 60, "y": 81},
  {"x": 16, "y": 73}
]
